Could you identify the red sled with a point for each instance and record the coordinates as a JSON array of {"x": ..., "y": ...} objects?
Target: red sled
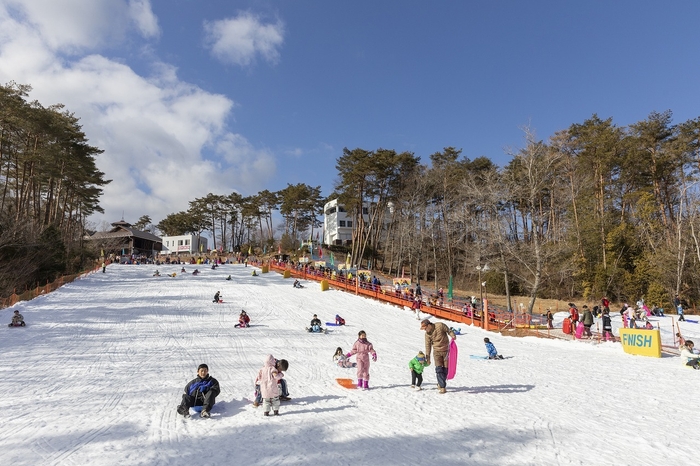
[{"x": 566, "y": 326}]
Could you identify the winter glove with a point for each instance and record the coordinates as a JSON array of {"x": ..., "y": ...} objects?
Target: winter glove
[
  {"x": 374, "y": 357},
  {"x": 348, "y": 355}
]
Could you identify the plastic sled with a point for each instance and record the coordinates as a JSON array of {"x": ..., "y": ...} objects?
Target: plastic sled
[
  {"x": 452, "y": 360},
  {"x": 476, "y": 356},
  {"x": 692, "y": 321},
  {"x": 347, "y": 383},
  {"x": 332, "y": 324},
  {"x": 197, "y": 409}
]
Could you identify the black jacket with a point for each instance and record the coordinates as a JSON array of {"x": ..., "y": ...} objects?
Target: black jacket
[
  {"x": 203, "y": 386},
  {"x": 316, "y": 321}
]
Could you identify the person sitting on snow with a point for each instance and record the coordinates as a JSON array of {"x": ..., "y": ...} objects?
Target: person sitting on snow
[
  {"x": 688, "y": 356},
  {"x": 228, "y": 278},
  {"x": 156, "y": 273},
  {"x": 255, "y": 274},
  {"x": 339, "y": 320},
  {"x": 315, "y": 325},
  {"x": 201, "y": 391},
  {"x": 243, "y": 320},
  {"x": 17, "y": 320},
  {"x": 493, "y": 354},
  {"x": 196, "y": 272},
  {"x": 217, "y": 297},
  {"x": 341, "y": 360},
  {"x": 297, "y": 284},
  {"x": 182, "y": 270}
]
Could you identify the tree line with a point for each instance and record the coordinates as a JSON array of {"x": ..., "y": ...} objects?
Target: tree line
[
  {"x": 49, "y": 186},
  {"x": 596, "y": 210}
]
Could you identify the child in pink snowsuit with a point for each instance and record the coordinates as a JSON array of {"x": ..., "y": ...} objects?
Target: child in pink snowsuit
[
  {"x": 363, "y": 348},
  {"x": 267, "y": 378}
]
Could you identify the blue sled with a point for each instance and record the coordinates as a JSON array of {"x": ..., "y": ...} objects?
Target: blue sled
[{"x": 476, "y": 356}]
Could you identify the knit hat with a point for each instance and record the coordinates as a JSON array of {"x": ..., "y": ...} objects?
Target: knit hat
[{"x": 420, "y": 354}]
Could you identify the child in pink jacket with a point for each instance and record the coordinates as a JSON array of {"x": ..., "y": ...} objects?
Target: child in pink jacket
[
  {"x": 363, "y": 348},
  {"x": 267, "y": 379}
]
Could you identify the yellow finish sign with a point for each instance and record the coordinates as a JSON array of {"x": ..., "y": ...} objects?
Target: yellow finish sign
[{"x": 641, "y": 341}]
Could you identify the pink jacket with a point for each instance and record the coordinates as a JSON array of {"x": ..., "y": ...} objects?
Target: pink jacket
[
  {"x": 362, "y": 350},
  {"x": 268, "y": 377}
]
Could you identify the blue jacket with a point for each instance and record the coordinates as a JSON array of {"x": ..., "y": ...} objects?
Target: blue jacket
[
  {"x": 491, "y": 349},
  {"x": 200, "y": 387}
]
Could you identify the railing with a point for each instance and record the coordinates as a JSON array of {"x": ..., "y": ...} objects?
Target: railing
[
  {"x": 28, "y": 294},
  {"x": 386, "y": 294}
]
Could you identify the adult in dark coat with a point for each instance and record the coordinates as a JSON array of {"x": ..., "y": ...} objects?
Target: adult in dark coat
[{"x": 587, "y": 320}]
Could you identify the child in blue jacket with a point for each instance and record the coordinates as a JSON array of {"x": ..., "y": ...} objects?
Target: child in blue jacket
[{"x": 493, "y": 354}]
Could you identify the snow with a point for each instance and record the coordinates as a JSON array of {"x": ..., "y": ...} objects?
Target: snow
[{"x": 96, "y": 375}]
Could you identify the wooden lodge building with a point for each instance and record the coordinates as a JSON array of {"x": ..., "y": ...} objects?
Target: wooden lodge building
[{"x": 123, "y": 239}]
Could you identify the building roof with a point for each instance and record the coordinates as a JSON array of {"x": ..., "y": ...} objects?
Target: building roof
[{"x": 124, "y": 229}]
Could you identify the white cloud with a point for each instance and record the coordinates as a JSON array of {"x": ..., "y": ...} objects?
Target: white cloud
[
  {"x": 72, "y": 26},
  {"x": 142, "y": 15},
  {"x": 239, "y": 40},
  {"x": 165, "y": 140}
]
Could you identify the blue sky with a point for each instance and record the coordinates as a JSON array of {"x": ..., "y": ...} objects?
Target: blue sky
[{"x": 190, "y": 97}]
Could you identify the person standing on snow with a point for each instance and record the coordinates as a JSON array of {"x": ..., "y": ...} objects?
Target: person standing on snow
[
  {"x": 362, "y": 348},
  {"x": 607, "y": 326},
  {"x": 679, "y": 308},
  {"x": 587, "y": 320},
  {"x": 268, "y": 378},
  {"x": 416, "y": 366},
  {"x": 201, "y": 391},
  {"x": 436, "y": 338}
]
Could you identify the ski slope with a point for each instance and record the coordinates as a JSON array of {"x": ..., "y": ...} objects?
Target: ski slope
[{"x": 96, "y": 375}]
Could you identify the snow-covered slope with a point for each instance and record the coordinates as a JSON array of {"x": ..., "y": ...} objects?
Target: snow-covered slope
[{"x": 96, "y": 375}]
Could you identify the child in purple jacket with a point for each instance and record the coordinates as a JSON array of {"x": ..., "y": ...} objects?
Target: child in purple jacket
[{"x": 363, "y": 348}]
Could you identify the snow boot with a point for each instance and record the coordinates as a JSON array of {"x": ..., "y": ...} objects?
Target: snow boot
[
  {"x": 366, "y": 385},
  {"x": 359, "y": 383},
  {"x": 277, "y": 413},
  {"x": 266, "y": 413}
]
